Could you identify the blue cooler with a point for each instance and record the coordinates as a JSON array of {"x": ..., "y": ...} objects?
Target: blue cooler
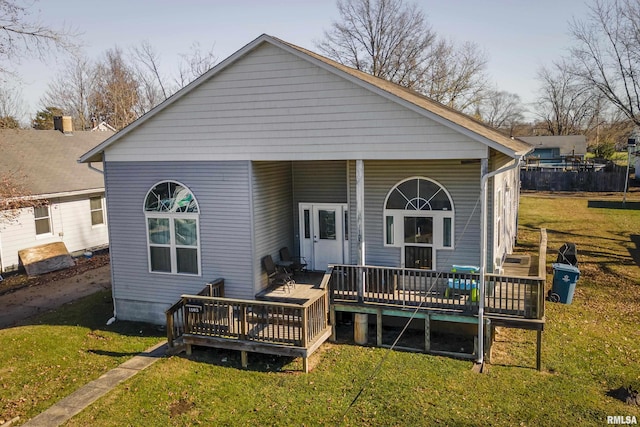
[{"x": 565, "y": 277}]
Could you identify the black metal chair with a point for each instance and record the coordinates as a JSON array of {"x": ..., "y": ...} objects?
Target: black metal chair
[
  {"x": 295, "y": 264},
  {"x": 276, "y": 276}
]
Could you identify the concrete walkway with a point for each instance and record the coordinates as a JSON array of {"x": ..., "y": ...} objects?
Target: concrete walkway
[{"x": 89, "y": 393}]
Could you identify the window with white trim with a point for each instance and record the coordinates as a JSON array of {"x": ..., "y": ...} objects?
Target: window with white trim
[
  {"x": 419, "y": 218},
  {"x": 172, "y": 217},
  {"x": 42, "y": 216},
  {"x": 97, "y": 210}
]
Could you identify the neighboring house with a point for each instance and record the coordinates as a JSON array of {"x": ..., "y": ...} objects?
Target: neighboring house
[
  {"x": 557, "y": 148},
  {"x": 103, "y": 126},
  {"x": 278, "y": 146},
  {"x": 43, "y": 165}
]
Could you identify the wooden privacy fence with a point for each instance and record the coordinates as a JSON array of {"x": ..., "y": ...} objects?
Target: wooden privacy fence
[{"x": 611, "y": 178}]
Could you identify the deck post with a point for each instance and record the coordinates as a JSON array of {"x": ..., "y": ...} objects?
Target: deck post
[
  {"x": 243, "y": 322},
  {"x": 360, "y": 210},
  {"x": 332, "y": 319},
  {"x": 488, "y": 341},
  {"x": 188, "y": 349},
  {"x": 539, "y": 350},
  {"x": 360, "y": 328},
  {"x": 304, "y": 330},
  {"x": 379, "y": 327},
  {"x": 427, "y": 333},
  {"x": 170, "y": 330},
  {"x": 244, "y": 359},
  {"x": 305, "y": 364}
]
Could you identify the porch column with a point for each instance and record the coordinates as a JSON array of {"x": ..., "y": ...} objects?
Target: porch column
[{"x": 360, "y": 209}]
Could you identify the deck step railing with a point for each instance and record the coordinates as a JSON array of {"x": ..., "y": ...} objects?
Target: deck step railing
[{"x": 175, "y": 315}]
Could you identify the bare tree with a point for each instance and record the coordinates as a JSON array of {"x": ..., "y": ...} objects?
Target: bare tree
[
  {"x": 70, "y": 90},
  {"x": 385, "y": 38},
  {"x": 194, "y": 63},
  {"x": 115, "y": 94},
  {"x": 392, "y": 40},
  {"x": 566, "y": 105},
  {"x": 501, "y": 110},
  {"x": 20, "y": 36},
  {"x": 11, "y": 107},
  {"x": 455, "y": 76},
  {"x": 607, "y": 53},
  {"x": 153, "y": 86}
]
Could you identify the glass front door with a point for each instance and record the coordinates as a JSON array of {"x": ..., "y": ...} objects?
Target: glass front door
[{"x": 323, "y": 234}]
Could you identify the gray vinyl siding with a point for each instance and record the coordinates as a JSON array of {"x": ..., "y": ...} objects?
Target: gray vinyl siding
[
  {"x": 222, "y": 192},
  {"x": 273, "y": 105},
  {"x": 272, "y": 212},
  {"x": 461, "y": 181},
  {"x": 317, "y": 182}
]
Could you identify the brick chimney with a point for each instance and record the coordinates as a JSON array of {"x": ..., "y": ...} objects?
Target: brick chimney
[{"x": 64, "y": 124}]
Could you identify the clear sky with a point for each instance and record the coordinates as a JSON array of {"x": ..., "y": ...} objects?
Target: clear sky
[{"x": 518, "y": 35}]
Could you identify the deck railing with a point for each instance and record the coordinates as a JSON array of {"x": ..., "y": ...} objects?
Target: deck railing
[
  {"x": 176, "y": 314},
  {"x": 427, "y": 289},
  {"x": 266, "y": 322}
]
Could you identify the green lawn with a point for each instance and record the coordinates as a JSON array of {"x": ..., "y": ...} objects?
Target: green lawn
[{"x": 589, "y": 348}]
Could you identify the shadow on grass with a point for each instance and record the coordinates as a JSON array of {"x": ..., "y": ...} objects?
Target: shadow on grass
[
  {"x": 635, "y": 253},
  {"x": 258, "y": 362},
  {"x": 93, "y": 312},
  {"x": 610, "y": 204}
]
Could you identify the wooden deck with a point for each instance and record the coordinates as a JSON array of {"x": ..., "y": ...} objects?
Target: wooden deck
[
  {"x": 270, "y": 327},
  {"x": 296, "y": 320},
  {"x": 514, "y": 298}
]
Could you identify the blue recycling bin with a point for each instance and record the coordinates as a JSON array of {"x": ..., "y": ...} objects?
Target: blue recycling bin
[{"x": 565, "y": 277}]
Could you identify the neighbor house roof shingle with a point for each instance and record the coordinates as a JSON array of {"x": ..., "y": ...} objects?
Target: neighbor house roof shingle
[{"x": 45, "y": 161}]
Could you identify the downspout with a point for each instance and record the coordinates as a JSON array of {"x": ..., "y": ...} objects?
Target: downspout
[
  {"x": 483, "y": 248},
  {"x": 113, "y": 319}
]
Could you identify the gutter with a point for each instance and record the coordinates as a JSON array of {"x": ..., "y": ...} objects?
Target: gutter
[
  {"x": 483, "y": 250},
  {"x": 93, "y": 168}
]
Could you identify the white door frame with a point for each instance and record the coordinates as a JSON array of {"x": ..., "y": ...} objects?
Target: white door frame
[{"x": 308, "y": 232}]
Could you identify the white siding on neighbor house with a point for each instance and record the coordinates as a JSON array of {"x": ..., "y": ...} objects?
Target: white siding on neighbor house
[
  {"x": 272, "y": 215},
  {"x": 222, "y": 190},
  {"x": 461, "y": 179},
  {"x": 272, "y": 105},
  {"x": 70, "y": 219}
]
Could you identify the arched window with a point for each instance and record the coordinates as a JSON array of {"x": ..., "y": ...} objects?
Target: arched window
[
  {"x": 172, "y": 214},
  {"x": 419, "y": 217}
]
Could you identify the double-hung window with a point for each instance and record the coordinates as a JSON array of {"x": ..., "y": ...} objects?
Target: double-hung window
[
  {"x": 97, "y": 211},
  {"x": 418, "y": 217},
  {"x": 42, "y": 216},
  {"x": 172, "y": 217}
]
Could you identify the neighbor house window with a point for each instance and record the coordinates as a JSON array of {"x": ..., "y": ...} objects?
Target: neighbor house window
[
  {"x": 97, "y": 214},
  {"x": 418, "y": 217},
  {"x": 172, "y": 218},
  {"x": 43, "y": 220}
]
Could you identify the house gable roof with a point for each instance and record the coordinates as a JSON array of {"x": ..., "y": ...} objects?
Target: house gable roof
[
  {"x": 43, "y": 162},
  {"x": 408, "y": 98},
  {"x": 569, "y": 145}
]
